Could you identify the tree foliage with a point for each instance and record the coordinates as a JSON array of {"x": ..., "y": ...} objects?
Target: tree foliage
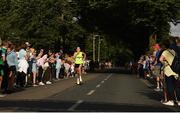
[
  {"x": 41, "y": 21},
  {"x": 125, "y": 25},
  {"x": 153, "y": 14},
  {"x": 129, "y": 21}
]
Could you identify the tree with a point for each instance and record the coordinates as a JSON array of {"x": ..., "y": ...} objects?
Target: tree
[
  {"x": 125, "y": 24},
  {"x": 153, "y": 15},
  {"x": 43, "y": 22}
]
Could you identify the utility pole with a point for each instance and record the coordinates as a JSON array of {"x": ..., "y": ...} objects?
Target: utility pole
[
  {"x": 99, "y": 48},
  {"x": 94, "y": 47}
]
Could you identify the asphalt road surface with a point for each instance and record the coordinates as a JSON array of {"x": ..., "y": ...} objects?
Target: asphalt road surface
[{"x": 100, "y": 92}]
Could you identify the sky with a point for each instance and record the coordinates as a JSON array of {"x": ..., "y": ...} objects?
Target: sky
[{"x": 175, "y": 29}]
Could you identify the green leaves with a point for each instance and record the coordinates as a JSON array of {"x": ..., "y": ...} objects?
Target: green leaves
[
  {"x": 37, "y": 19},
  {"x": 153, "y": 13},
  {"x": 123, "y": 23}
]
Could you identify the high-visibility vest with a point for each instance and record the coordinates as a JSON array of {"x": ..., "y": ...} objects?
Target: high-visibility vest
[{"x": 79, "y": 58}]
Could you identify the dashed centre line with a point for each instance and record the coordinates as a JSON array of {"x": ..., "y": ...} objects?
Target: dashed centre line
[
  {"x": 75, "y": 105},
  {"x": 91, "y": 92},
  {"x": 102, "y": 81},
  {"x": 98, "y": 86}
]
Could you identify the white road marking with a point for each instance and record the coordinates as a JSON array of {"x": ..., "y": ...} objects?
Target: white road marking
[
  {"x": 109, "y": 76},
  {"x": 1, "y": 95},
  {"x": 106, "y": 78},
  {"x": 102, "y": 81},
  {"x": 91, "y": 92},
  {"x": 75, "y": 105},
  {"x": 98, "y": 86}
]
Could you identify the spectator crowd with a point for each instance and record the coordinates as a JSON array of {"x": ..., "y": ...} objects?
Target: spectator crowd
[
  {"x": 25, "y": 66},
  {"x": 157, "y": 67}
]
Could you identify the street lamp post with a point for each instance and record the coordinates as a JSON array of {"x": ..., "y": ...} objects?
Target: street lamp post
[
  {"x": 94, "y": 47},
  {"x": 99, "y": 48}
]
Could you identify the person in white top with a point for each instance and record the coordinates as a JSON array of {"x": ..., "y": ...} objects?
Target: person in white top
[
  {"x": 67, "y": 68},
  {"x": 41, "y": 67},
  {"x": 58, "y": 65},
  {"x": 22, "y": 66},
  {"x": 72, "y": 70}
]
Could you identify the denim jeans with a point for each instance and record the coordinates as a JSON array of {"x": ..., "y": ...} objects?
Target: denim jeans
[{"x": 57, "y": 72}]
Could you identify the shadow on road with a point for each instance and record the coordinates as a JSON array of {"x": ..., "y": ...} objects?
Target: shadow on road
[
  {"x": 157, "y": 96},
  {"x": 52, "y": 106}
]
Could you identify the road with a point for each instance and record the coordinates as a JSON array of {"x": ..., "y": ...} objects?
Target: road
[{"x": 101, "y": 92}]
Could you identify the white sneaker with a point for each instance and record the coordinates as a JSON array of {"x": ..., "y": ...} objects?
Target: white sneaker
[
  {"x": 169, "y": 103},
  {"x": 163, "y": 101},
  {"x": 78, "y": 81},
  {"x": 2, "y": 95},
  {"x": 41, "y": 83},
  {"x": 34, "y": 85},
  {"x": 157, "y": 89},
  {"x": 178, "y": 103},
  {"x": 48, "y": 82}
]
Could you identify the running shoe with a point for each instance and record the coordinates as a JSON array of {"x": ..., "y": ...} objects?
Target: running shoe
[
  {"x": 41, "y": 84},
  {"x": 48, "y": 82},
  {"x": 157, "y": 89},
  {"x": 169, "y": 103}
]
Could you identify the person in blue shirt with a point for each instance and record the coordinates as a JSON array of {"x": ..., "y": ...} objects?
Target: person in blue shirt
[
  {"x": 58, "y": 65},
  {"x": 12, "y": 62}
]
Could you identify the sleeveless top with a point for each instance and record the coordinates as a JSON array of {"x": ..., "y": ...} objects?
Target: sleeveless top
[{"x": 79, "y": 58}]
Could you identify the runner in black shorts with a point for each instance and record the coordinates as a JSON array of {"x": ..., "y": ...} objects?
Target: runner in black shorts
[{"x": 79, "y": 60}]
